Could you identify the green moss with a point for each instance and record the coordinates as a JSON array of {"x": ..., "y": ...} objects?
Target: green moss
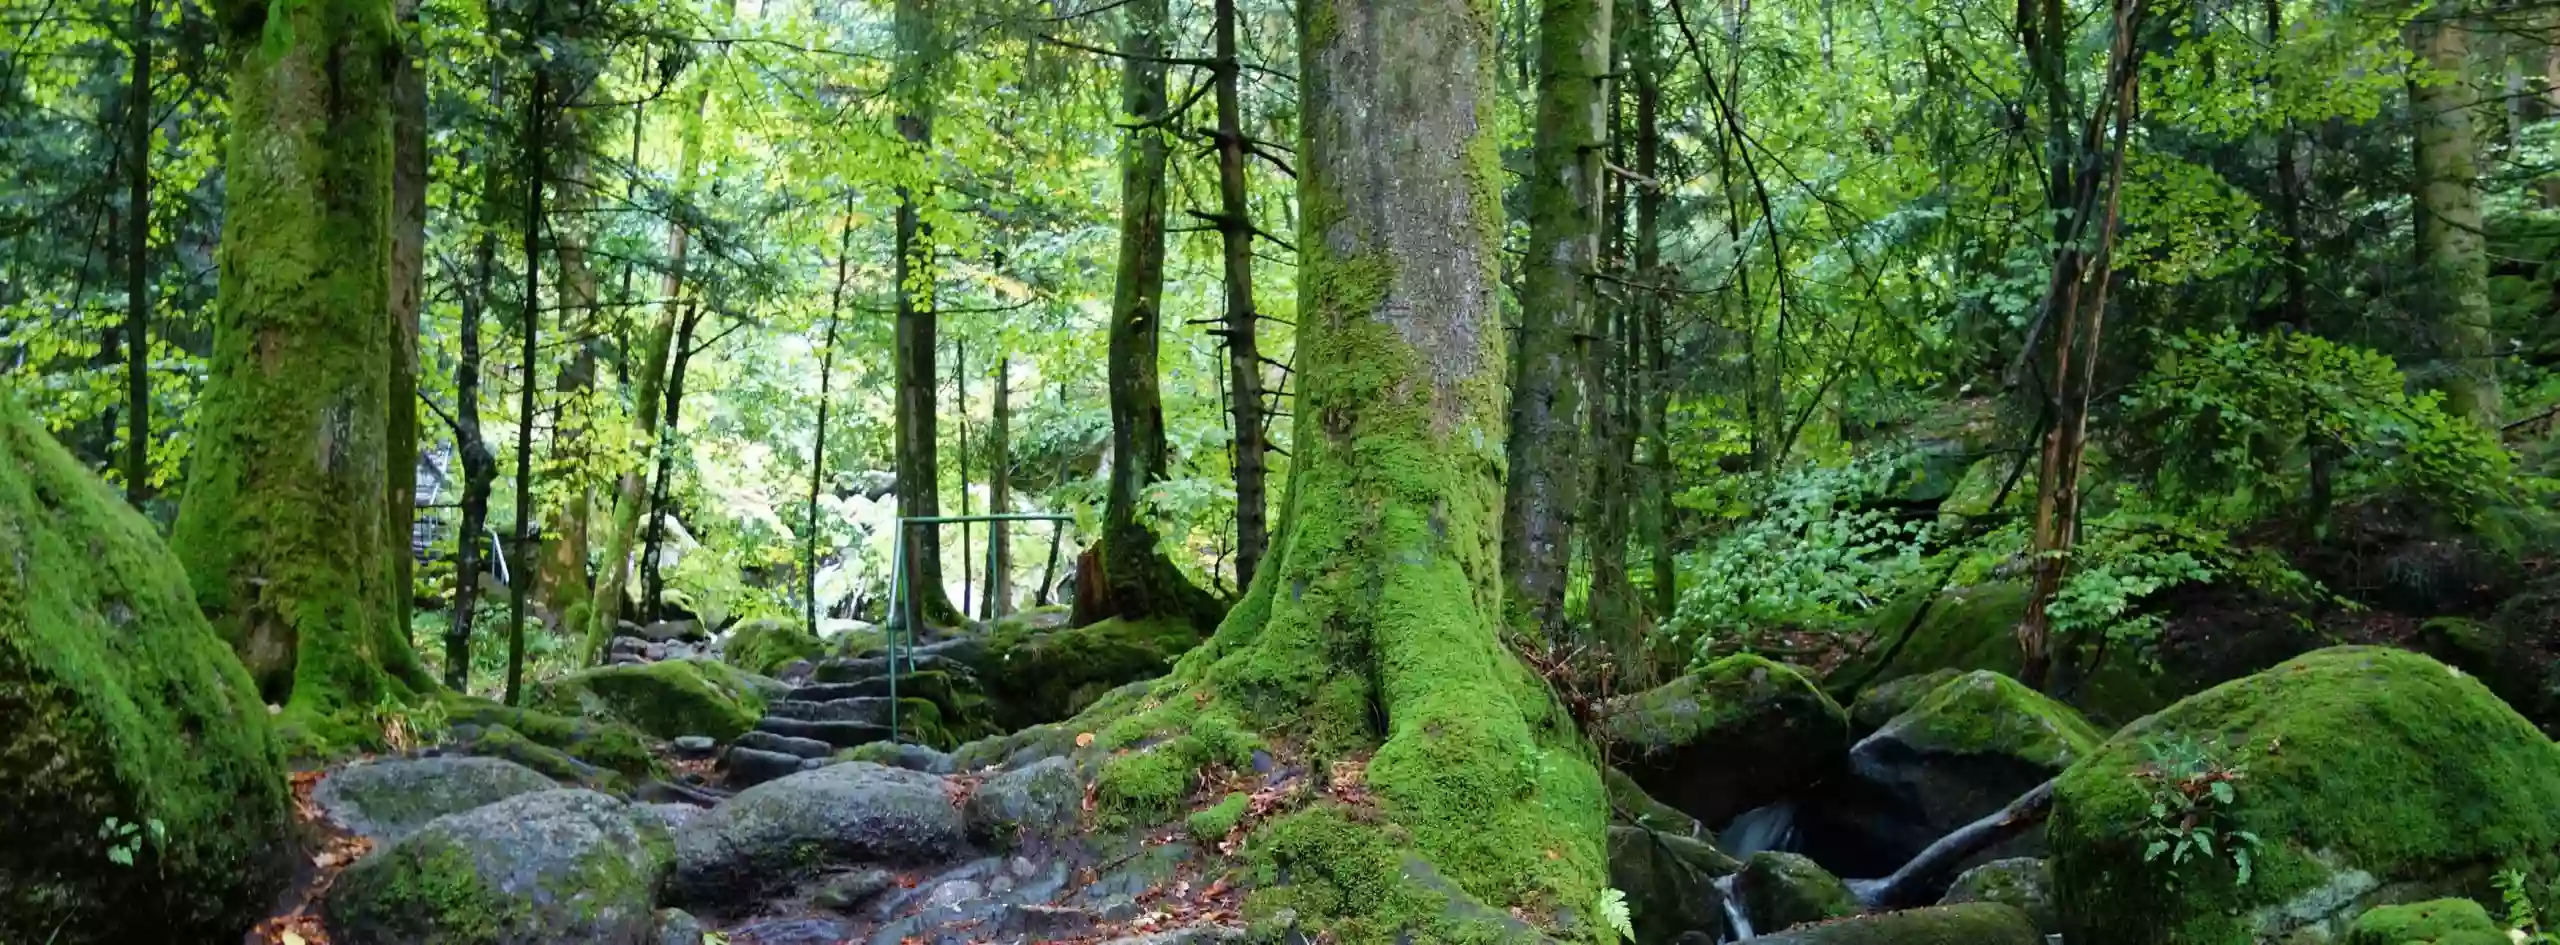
[
  {"x": 609, "y": 745},
  {"x": 1148, "y": 784},
  {"x": 1729, "y": 690},
  {"x": 121, "y": 702},
  {"x": 1983, "y": 712},
  {"x": 764, "y": 647},
  {"x": 1780, "y": 891},
  {"x": 666, "y": 699},
  {"x": 1973, "y": 923},
  {"x": 1878, "y": 704},
  {"x": 2366, "y": 769},
  {"x": 427, "y": 889},
  {"x": 2439, "y": 922},
  {"x": 1212, "y": 824},
  {"x": 1034, "y": 676},
  {"x": 1629, "y": 803},
  {"x": 1970, "y": 628},
  {"x": 1320, "y": 863}
]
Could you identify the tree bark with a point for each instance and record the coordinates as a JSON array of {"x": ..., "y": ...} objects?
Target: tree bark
[
  {"x": 137, "y": 285},
  {"x": 960, "y": 392},
  {"x": 999, "y": 600},
  {"x": 653, "y": 578},
  {"x": 1378, "y": 624},
  {"x": 917, "y": 427},
  {"x": 281, "y": 528},
  {"x": 564, "y": 582},
  {"x": 1243, "y": 323},
  {"x": 529, "y": 380},
  {"x": 408, "y": 293},
  {"x": 2295, "y": 309},
  {"x": 826, "y": 391},
  {"x": 1654, "y": 417},
  {"x": 1138, "y": 580},
  {"x": 2453, "y": 293},
  {"x": 1557, "y": 305},
  {"x": 479, "y": 468}
]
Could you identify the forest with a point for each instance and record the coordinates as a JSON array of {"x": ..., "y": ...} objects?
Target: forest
[{"x": 1323, "y": 472}]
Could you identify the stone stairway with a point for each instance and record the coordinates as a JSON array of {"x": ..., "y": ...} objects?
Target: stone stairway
[{"x": 846, "y": 703}]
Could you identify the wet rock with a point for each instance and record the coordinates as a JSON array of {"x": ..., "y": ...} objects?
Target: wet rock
[
  {"x": 2023, "y": 882},
  {"x": 1780, "y": 891},
  {"x": 567, "y": 867},
  {"x": 694, "y": 746},
  {"x": 748, "y": 767},
  {"x": 390, "y": 799},
  {"x": 793, "y": 931},
  {"x": 1026, "y": 805},
  {"x": 783, "y": 744},
  {"x": 850, "y": 814},
  {"x": 845, "y": 892},
  {"x": 1735, "y": 735},
  {"x": 1669, "y": 881},
  {"x": 1967, "y": 749},
  {"x": 1977, "y": 923}
]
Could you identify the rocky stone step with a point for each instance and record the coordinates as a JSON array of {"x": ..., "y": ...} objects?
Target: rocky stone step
[
  {"x": 785, "y": 744},
  {"x": 841, "y": 734},
  {"x": 748, "y": 767},
  {"x": 870, "y": 709},
  {"x": 842, "y": 670}
]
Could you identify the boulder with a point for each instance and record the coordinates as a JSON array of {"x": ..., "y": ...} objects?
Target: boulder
[
  {"x": 2368, "y": 775},
  {"x": 1631, "y": 806},
  {"x": 1879, "y": 703},
  {"x": 745, "y": 767},
  {"x": 1779, "y": 891},
  {"x": 1967, "y": 749},
  {"x": 1026, "y": 805},
  {"x": 669, "y": 630},
  {"x": 1976, "y": 923},
  {"x": 1739, "y": 733},
  {"x": 1034, "y": 674},
  {"x": 678, "y": 927},
  {"x": 390, "y": 799},
  {"x": 1670, "y": 882},
  {"x": 130, "y": 726},
  {"x": 849, "y": 814},
  {"x": 666, "y": 699},
  {"x": 2436, "y": 922},
  {"x": 611, "y": 746},
  {"x": 767, "y": 645},
  {"x": 2024, "y": 882},
  {"x": 566, "y": 867}
]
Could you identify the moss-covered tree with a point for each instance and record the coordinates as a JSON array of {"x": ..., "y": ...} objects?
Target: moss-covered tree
[
  {"x": 1137, "y": 579},
  {"x": 1374, "y": 631},
  {"x": 282, "y": 526}
]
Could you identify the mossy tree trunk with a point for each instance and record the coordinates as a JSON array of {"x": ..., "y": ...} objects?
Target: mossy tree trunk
[
  {"x": 1644, "y": 61},
  {"x": 1376, "y": 626},
  {"x": 1138, "y": 580},
  {"x": 408, "y": 293},
  {"x": 1548, "y": 409},
  {"x": 479, "y": 466},
  {"x": 282, "y": 526},
  {"x": 564, "y": 581},
  {"x": 917, "y": 428},
  {"x": 1243, "y": 325},
  {"x": 2453, "y": 295}
]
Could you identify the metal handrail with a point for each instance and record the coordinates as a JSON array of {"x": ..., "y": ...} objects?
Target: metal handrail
[{"x": 900, "y": 619}]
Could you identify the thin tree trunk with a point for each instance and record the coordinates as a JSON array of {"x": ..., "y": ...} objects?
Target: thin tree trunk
[
  {"x": 1243, "y": 328},
  {"x": 281, "y": 528},
  {"x": 826, "y": 392},
  {"x": 2296, "y": 307},
  {"x": 1549, "y": 412},
  {"x": 479, "y": 468},
  {"x": 564, "y": 582},
  {"x": 960, "y": 388},
  {"x": 918, "y": 460},
  {"x": 408, "y": 293},
  {"x": 653, "y": 576},
  {"x": 2452, "y": 252},
  {"x": 1138, "y": 580},
  {"x": 1654, "y": 417},
  {"x": 536, "y": 166},
  {"x": 999, "y": 583},
  {"x": 137, "y": 284}
]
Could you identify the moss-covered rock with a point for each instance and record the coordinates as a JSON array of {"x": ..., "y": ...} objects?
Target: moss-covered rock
[
  {"x": 1780, "y": 891},
  {"x": 1669, "y": 881},
  {"x": 1879, "y": 703},
  {"x": 666, "y": 699},
  {"x": 1035, "y": 803},
  {"x": 2501, "y": 653},
  {"x": 1212, "y": 823},
  {"x": 612, "y": 746},
  {"x": 764, "y": 646},
  {"x": 391, "y": 798},
  {"x": 498, "y": 742},
  {"x": 781, "y": 832},
  {"x": 1971, "y": 628},
  {"x": 122, "y": 703},
  {"x": 1969, "y": 748},
  {"x": 1736, "y": 734},
  {"x": 1033, "y": 676},
  {"x": 1630, "y": 805},
  {"x": 1974, "y": 923},
  {"x": 553, "y": 868},
  {"x": 2024, "y": 882},
  {"x": 2435, "y": 922},
  {"x": 2369, "y": 774}
]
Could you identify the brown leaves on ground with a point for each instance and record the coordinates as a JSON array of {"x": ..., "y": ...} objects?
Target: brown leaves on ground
[{"x": 333, "y": 849}]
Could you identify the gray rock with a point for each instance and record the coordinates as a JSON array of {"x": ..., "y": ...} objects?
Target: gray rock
[
  {"x": 748, "y": 767},
  {"x": 2023, "y": 882},
  {"x": 953, "y": 894},
  {"x": 627, "y": 646},
  {"x": 847, "y": 814},
  {"x": 568, "y": 867},
  {"x": 1034, "y": 803},
  {"x": 1974, "y": 923},
  {"x": 1965, "y": 750},
  {"x": 667, "y": 630},
  {"x": 390, "y": 799},
  {"x": 911, "y": 757},
  {"x": 784, "y": 744},
  {"x": 668, "y": 816},
  {"x": 677, "y": 927},
  {"x": 846, "y": 892},
  {"x": 800, "y": 931},
  {"x": 1187, "y": 935},
  {"x": 869, "y": 709},
  {"x": 1669, "y": 881},
  {"x": 841, "y": 734},
  {"x": 1779, "y": 891},
  {"x": 694, "y": 746}
]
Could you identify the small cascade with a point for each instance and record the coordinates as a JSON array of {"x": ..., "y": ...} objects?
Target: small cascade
[
  {"x": 1760, "y": 829},
  {"x": 1737, "y": 926}
]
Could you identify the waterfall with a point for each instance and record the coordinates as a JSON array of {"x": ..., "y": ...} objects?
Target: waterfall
[
  {"x": 1759, "y": 829},
  {"x": 1736, "y": 925}
]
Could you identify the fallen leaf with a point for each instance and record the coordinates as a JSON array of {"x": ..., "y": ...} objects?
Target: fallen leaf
[{"x": 1084, "y": 739}]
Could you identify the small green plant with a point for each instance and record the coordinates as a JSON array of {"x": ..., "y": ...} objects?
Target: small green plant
[
  {"x": 124, "y": 838},
  {"x": 1617, "y": 924},
  {"x": 2524, "y": 917},
  {"x": 2190, "y": 817}
]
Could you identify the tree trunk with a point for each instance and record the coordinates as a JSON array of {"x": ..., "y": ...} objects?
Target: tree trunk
[
  {"x": 1654, "y": 417},
  {"x": 1379, "y": 624},
  {"x": 653, "y": 578},
  {"x": 631, "y": 493},
  {"x": 1611, "y": 606},
  {"x": 137, "y": 285},
  {"x": 2295, "y": 310},
  {"x": 2453, "y": 294},
  {"x": 408, "y": 292},
  {"x": 529, "y": 379},
  {"x": 1137, "y": 579},
  {"x": 281, "y": 528},
  {"x": 1243, "y": 324},
  {"x": 564, "y": 582},
  {"x": 960, "y": 391},
  {"x": 826, "y": 390},
  {"x": 918, "y": 453},
  {"x": 1548, "y": 409},
  {"x": 999, "y": 600},
  {"x": 479, "y": 468}
]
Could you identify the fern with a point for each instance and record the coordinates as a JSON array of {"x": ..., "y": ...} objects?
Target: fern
[{"x": 1614, "y": 917}]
